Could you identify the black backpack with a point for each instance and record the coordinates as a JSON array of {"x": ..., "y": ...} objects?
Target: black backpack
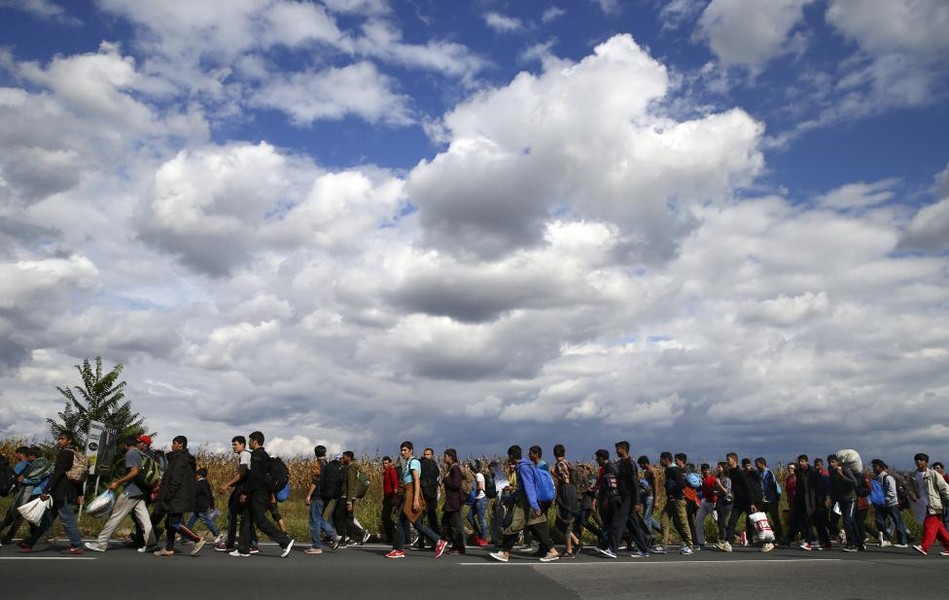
[
  {"x": 428, "y": 477},
  {"x": 332, "y": 480},
  {"x": 7, "y": 477},
  {"x": 490, "y": 487},
  {"x": 278, "y": 476}
]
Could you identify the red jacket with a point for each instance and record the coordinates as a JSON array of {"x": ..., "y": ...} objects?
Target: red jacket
[{"x": 390, "y": 481}]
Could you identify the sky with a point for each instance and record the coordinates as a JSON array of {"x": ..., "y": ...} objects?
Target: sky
[{"x": 697, "y": 225}]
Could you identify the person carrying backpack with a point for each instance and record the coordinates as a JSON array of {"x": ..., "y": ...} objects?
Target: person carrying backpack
[
  {"x": 413, "y": 504},
  {"x": 430, "y": 475},
  {"x": 888, "y": 508},
  {"x": 526, "y": 512},
  {"x": 130, "y": 500},
  {"x": 255, "y": 498},
  {"x": 64, "y": 492},
  {"x": 453, "y": 532},
  {"x": 347, "y": 506},
  {"x": 317, "y": 502}
]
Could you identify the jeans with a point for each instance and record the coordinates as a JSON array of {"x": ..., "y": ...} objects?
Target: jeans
[
  {"x": 318, "y": 523},
  {"x": 895, "y": 515},
  {"x": 208, "y": 522},
  {"x": 705, "y": 509},
  {"x": 651, "y": 522},
  {"x": 476, "y": 517},
  {"x": 63, "y": 510},
  {"x": 402, "y": 524}
]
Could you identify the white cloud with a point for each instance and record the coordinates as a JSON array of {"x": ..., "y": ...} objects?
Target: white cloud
[
  {"x": 502, "y": 23},
  {"x": 43, "y": 9},
  {"x": 572, "y": 140},
  {"x": 358, "y": 90},
  {"x": 929, "y": 229},
  {"x": 552, "y": 14},
  {"x": 749, "y": 32},
  {"x": 859, "y": 195}
]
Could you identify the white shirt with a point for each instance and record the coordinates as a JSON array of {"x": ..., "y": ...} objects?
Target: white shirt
[{"x": 479, "y": 481}]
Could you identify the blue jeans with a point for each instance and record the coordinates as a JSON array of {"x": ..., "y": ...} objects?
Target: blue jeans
[
  {"x": 65, "y": 513},
  {"x": 318, "y": 523},
  {"x": 211, "y": 525},
  {"x": 479, "y": 525},
  {"x": 651, "y": 522},
  {"x": 402, "y": 524}
]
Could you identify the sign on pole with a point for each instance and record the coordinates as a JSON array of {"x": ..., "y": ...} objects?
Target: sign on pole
[{"x": 100, "y": 447}]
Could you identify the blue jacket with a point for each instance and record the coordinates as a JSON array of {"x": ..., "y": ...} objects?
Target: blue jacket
[{"x": 526, "y": 480}]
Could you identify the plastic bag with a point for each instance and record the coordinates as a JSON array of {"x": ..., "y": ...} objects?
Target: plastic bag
[
  {"x": 34, "y": 510},
  {"x": 101, "y": 505},
  {"x": 762, "y": 526},
  {"x": 851, "y": 460}
]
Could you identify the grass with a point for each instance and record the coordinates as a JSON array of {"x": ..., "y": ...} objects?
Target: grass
[{"x": 221, "y": 465}]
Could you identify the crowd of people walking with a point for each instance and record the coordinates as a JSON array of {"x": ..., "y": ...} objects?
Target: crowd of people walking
[{"x": 613, "y": 506}]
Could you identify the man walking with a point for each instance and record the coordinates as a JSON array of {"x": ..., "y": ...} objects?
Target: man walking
[
  {"x": 413, "y": 506},
  {"x": 176, "y": 497},
  {"x": 314, "y": 500},
  {"x": 130, "y": 500},
  {"x": 526, "y": 512},
  {"x": 256, "y": 497},
  {"x": 931, "y": 489},
  {"x": 64, "y": 492}
]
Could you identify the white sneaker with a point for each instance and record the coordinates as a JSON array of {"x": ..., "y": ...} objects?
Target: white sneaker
[
  {"x": 239, "y": 554},
  {"x": 499, "y": 555},
  {"x": 767, "y": 547},
  {"x": 885, "y": 544},
  {"x": 686, "y": 551},
  {"x": 286, "y": 551},
  {"x": 94, "y": 547}
]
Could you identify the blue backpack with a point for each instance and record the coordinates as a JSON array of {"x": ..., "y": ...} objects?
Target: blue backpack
[
  {"x": 877, "y": 493},
  {"x": 544, "y": 485}
]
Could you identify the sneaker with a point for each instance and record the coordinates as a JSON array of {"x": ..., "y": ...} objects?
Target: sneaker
[
  {"x": 919, "y": 549},
  {"x": 900, "y": 545},
  {"x": 885, "y": 544},
  {"x": 686, "y": 551},
  {"x": 499, "y": 555},
  {"x": 313, "y": 551},
  {"x": 604, "y": 551},
  {"x": 198, "y": 545},
  {"x": 255, "y": 549},
  {"x": 75, "y": 550},
  {"x": 335, "y": 544},
  {"x": 728, "y": 547},
  {"x": 238, "y": 553},
  {"x": 94, "y": 547},
  {"x": 164, "y": 552},
  {"x": 220, "y": 538},
  {"x": 744, "y": 538},
  {"x": 767, "y": 547},
  {"x": 146, "y": 549},
  {"x": 849, "y": 549},
  {"x": 286, "y": 551},
  {"x": 639, "y": 555},
  {"x": 440, "y": 548},
  {"x": 657, "y": 549},
  {"x": 222, "y": 547},
  {"x": 944, "y": 553},
  {"x": 396, "y": 554},
  {"x": 365, "y": 536},
  {"x": 552, "y": 556},
  {"x": 842, "y": 536}
]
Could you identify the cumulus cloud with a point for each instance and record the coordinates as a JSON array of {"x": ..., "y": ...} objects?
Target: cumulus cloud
[
  {"x": 747, "y": 32},
  {"x": 571, "y": 140}
]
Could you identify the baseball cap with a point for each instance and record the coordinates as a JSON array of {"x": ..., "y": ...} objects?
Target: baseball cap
[{"x": 144, "y": 439}]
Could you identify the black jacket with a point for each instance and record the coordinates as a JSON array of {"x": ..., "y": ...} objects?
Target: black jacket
[
  {"x": 60, "y": 487},
  {"x": 675, "y": 483},
  {"x": 257, "y": 477},
  {"x": 628, "y": 480},
  {"x": 203, "y": 497},
  {"x": 742, "y": 490},
  {"x": 177, "y": 484}
]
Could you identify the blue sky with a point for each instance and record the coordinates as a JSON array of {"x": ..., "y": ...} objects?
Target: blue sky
[{"x": 596, "y": 219}]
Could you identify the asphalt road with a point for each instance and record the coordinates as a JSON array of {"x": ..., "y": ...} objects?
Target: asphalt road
[{"x": 363, "y": 572}]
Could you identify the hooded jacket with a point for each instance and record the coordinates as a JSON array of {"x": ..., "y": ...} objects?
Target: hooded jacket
[{"x": 178, "y": 483}]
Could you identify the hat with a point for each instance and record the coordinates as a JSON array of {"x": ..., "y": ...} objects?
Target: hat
[{"x": 144, "y": 439}]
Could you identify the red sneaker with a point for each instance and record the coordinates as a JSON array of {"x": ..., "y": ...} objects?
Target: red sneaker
[{"x": 396, "y": 554}]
